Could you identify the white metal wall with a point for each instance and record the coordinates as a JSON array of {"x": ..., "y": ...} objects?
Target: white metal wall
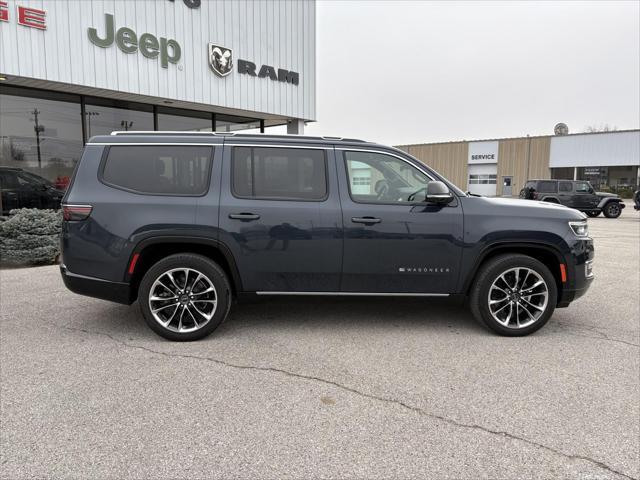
[
  {"x": 280, "y": 33},
  {"x": 595, "y": 150}
]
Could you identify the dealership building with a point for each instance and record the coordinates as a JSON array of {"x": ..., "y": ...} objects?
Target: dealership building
[
  {"x": 500, "y": 167},
  {"x": 71, "y": 69}
]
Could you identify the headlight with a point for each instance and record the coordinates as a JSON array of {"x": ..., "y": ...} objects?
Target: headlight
[{"x": 581, "y": 229}]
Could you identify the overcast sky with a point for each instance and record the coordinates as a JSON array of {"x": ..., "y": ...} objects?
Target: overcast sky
[{"x": 413, "y": 72}]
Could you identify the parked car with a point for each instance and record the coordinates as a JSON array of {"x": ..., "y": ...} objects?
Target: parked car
[
  {"x": 578, "y": 194},
  {"x": 185, "y": 223},
  {"x": 636, "y": 200},
  {"x": 22, "y": 189}
]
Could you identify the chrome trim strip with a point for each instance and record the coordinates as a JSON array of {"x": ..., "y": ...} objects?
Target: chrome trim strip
[
  {"x": 164, "y": 144},
  {"x": 356, "y": 294},
  {"x": 170, "y": 132}
]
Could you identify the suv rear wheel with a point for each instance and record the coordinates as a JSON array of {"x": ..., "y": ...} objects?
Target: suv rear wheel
[
  {"x": 514, "y": 295},
  {"x": 184, "y": 297},
  {"x": 612, "y": 210}
]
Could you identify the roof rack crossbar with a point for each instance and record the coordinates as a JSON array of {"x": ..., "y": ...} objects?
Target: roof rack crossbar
[{"x": 231, "y": 134}]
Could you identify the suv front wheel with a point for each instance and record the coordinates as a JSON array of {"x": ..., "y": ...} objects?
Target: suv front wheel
[
  {"x": 184, "y": 297},
  {"x": 514, "y": 295}
]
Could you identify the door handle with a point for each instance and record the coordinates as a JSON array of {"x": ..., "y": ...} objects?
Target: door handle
[
  {"x": 365, "y": 220},
  {"x": 244, "y": 216}
]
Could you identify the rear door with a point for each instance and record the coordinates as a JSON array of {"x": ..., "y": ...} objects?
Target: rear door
[
  {"x": 280, "y": 216},
  {"x": 566, "y": 194}
]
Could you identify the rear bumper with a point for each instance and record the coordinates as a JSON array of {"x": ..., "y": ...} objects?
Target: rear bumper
[{"x": 96, "y": 287}]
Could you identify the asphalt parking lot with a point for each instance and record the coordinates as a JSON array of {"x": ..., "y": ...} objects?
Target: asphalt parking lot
[{"x": 319, "y": 388}]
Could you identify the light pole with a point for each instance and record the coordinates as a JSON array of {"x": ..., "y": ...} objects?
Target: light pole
[
  {"x": 89, "y": 115},
  {"x": 126, "y": 125},
  {"x": 38, "y": 129}
]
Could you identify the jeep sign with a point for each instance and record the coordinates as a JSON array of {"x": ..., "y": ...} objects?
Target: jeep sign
[{"x": 127, "y": 40}]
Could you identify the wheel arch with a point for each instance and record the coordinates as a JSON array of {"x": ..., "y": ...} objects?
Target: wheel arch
[
  {"x": 550, "y": 199},
  {"x": 151, "y": 250},
  {"x": 549, "y": 255}
]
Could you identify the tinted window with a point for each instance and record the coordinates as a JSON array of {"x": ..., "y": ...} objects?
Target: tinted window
[
  {"x": 380, "y": 178},
  {"x": 583, "y": 187},
  {"x": 280, "y": 173},
  {"x": 547, "y": 186},
  {"x": 179, "y": 170},
  {"x": 565, "y": 186}
]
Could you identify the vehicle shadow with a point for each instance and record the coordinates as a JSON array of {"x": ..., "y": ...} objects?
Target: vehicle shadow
[{"x": 314, "y": 314}]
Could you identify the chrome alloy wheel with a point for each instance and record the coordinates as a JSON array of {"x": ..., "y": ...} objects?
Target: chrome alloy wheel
[
  {"x": 183, "y": 300},
  {"x": 518, "y": 297}
]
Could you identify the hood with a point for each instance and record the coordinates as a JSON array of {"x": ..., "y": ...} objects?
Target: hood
[
  {"x": 529, "y": 208},
  {"x": 607, "y": 194}
]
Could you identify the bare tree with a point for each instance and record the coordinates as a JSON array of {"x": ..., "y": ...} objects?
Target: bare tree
[{"x": 600, "y": 128}]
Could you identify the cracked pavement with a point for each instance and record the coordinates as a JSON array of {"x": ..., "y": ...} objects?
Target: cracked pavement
[{"x": 324, "y": 388}]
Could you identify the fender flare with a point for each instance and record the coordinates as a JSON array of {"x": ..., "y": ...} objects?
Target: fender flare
[
  {"x": 498, "y": 245},
  {"x": 606, "y": 200},
  {"x": 210, "y": 242}
]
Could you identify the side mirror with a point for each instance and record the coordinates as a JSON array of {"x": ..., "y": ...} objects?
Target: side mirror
[{"x": 439, "y": 193}]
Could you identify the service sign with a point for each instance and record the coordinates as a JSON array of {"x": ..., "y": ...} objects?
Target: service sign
[{"x": 483, "y": 152}]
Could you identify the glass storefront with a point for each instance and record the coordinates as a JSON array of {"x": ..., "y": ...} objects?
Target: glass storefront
[
  {"x": 42, "y": 132},
  {"x": 621, "y": 179},
  {"x": 103, "y": 117},
  {"x": 174, "y": 120}
]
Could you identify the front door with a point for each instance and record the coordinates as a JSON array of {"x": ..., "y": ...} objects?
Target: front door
[
  {"x": 280, "y": 216},
  {"x": 392, "y": 245},
  {"x": 585, "y": 197}
]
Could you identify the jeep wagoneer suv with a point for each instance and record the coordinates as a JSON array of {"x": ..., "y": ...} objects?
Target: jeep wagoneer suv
[{"x": 185, "y": 222}]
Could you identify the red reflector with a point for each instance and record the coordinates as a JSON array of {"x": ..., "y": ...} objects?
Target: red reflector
[
  {"x": 73, "y": 213},
  {"x": 132, "y": 265},
  {"x": 563, "y": 273}
]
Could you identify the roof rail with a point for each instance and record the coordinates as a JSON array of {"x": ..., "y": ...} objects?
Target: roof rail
[
  {"x": 232, "y": 134},
  {"x": 156, "y": 132}
]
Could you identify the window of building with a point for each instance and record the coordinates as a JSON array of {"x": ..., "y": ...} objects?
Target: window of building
[
  {"x": 279, "y": 173},
  {"x": 547, "y": 186},
  {"x": 163, "y": 170},
  {"x": 482, "y": 179},
  {"x": 105, "y": 116},
  {"x": 40, "y": 132},
  {"x": 565, "y": 186},
  {"x": 380, "y": 178},
  {"x": 176, "y": 120},
  {"x": 228, "y": 123}
]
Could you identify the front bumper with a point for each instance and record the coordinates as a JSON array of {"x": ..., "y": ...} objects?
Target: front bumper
[
  {"x": 580, "y": 275},
  {"x": 118, "y": 292}
]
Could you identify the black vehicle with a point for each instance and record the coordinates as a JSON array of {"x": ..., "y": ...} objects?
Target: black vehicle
[
  {"x": 22, "y": 189},
  {"x": 578, "y": 194},
  {"x": 184, "y": 223}
]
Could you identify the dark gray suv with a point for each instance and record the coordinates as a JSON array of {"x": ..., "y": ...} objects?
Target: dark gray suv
[
  {"x": 578, "y": 194},
  {"x": 186, "y": 222}
]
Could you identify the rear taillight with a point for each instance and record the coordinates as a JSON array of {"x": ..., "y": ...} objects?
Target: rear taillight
[{"x": 74, "y": 213}]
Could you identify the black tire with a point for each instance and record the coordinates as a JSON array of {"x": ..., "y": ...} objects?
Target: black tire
[
  {"x": 490, "y": 272},
  {"x": 593, "y": 213},
  {"x": 612, "y": 210},
  {"x": 214, "y": 277}
]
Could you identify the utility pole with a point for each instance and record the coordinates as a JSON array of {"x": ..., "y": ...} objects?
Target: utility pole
[
  {"x": 38, "y": 128},
  {"x": 89, "y": 115}
]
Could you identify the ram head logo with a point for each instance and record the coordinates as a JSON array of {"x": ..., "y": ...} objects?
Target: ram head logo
[{"x": 220, "y": 59}]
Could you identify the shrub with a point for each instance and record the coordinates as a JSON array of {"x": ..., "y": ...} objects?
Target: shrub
[{"x": 30, "y": 236}]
